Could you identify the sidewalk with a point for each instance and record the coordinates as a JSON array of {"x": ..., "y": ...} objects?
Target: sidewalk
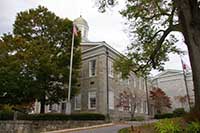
[
  {"x": 109, "y": 127},
  {"x": 80, "y": 128}
]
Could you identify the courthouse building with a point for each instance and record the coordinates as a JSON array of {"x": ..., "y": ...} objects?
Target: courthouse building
[
  {"x": 100, "y": 85},
  {"x": 173, "y": 84}
]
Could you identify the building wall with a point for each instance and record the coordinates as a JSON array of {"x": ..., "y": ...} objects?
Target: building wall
[
  {"x": 173, "y": 85},
  {"x": 98, "y": 83}
]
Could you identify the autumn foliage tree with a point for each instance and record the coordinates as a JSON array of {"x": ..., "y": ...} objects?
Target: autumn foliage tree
[
  {"x": 159, "y": 100},
  {"x": 182, "y": 100},
  {"x": 129, "y": 100}
]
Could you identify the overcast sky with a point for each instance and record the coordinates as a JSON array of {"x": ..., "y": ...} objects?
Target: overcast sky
[{"x": 107, "y": 27}]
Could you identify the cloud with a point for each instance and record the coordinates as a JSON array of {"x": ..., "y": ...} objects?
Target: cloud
[
  {"x": 9, "y": 10},
  {"x": 107, "y": 27}
]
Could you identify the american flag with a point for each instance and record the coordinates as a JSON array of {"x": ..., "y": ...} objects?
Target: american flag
[
  {"x": 185, "y": 66},
  {"x": 75, "y": 31}
]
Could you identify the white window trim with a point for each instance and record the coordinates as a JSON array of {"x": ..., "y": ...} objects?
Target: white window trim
[
  {"x": 142, "y": 107},
  {"x": 89, "y": 96},
  {"x": 111, "y": 103},
  {"x": 75, "y": 106},
  {"x": 110, "y": 69}
]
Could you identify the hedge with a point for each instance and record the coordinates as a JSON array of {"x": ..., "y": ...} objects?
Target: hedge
[
  {"x": 163, "y": 116},
  {"x": 6, "y": 115},
  {"x": 52, "y": 116},
  {"x": 176, "y": 113},
  {"x": 179, "y": 112}
]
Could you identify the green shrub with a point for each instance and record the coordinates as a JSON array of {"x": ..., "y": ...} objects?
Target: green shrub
[
  {"x": 124, "y": 130},
  {"x": 87, "y": 116},
  {"x": 193, "y": 127},
  {"x": 7, "y": 108},
  {"x": 6, "y": 115},
  {"x": 193, "y": 115},
  {"x": 179, "y": 112},
  {"x": 44, "y": 117},
  {"x": 56, "y": 116},
  {"x": 163, "y": 116},
  {"x": 138, "y": 118},
  {"x": 167, "y": 126}
]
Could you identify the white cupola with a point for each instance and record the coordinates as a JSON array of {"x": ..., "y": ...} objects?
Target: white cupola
[{"x": 82, "y": 25}]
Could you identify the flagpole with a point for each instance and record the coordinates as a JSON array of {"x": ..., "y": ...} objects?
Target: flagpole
[
  {"x": 68, "y": 105},
  {"x": 186, "y": 86}
]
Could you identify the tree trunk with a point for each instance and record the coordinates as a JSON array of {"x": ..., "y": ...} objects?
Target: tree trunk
[
  {"x": 42, "y": 102},
  {"x": 189, "y": 18},
  {"x": 133, "y": 107}
]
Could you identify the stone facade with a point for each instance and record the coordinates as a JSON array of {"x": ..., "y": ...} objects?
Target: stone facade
[
  {"x": 42, "y": 126},
  {"x": 173, "y": 84},
  {"x": 112, "y": 87},
  {"x": 100, "y": 85}
]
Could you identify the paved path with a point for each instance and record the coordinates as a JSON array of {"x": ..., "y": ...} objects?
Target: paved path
[
  {"x": 110, "y": 129},
  {"x": 114, "y": 128},
  {"x": 105, "y": 128}
]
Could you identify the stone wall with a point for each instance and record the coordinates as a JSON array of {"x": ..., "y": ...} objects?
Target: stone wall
[{"x": 41, "y": 126}]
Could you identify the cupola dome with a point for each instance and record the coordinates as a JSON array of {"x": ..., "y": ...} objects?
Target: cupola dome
[{"x": 82, "y": 25}]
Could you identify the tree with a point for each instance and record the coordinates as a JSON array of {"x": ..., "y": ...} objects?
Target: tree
[
  {"x": 14, "y": 83},
  {"x": 182, "y": 100},
  {"x": 152, "y": 23},
  {"x": 45, "y": 55},
  {"x": 129, "y": 100},
  {"x": 160, "y": 100}
]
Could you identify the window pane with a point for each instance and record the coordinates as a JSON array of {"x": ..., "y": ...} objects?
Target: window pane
[
  {"x": 92, "y": 100},
  {"x": 111, "y": 100},
  {"x": 92, "y": 68},
  {"x": 63, "y": 107},
  {"x": 78, "y": 102},
  {"x": 110, "y": 68}
]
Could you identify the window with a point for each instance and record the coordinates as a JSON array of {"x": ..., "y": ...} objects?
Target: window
[
  {"x": 126, "y": 81},
  {"x": 111, "y": 100},
  {"x": 82, "y": 32},
  {"x": 92, "y": 68},
  {"x": 77, "y": 102},
  {"x": 141, "y": 108},
  {"x": 63, "y": 107},
  {"x": 120, "y": 109},
  {"x": 145, "y": 107},
  {"x": 120, "y": 77},
  {"x": 50, "y": 107},
  {"x": 110, "y": 69},
  {"x": 135, "y": 82},
  {"x": 92, "y": 100}
]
